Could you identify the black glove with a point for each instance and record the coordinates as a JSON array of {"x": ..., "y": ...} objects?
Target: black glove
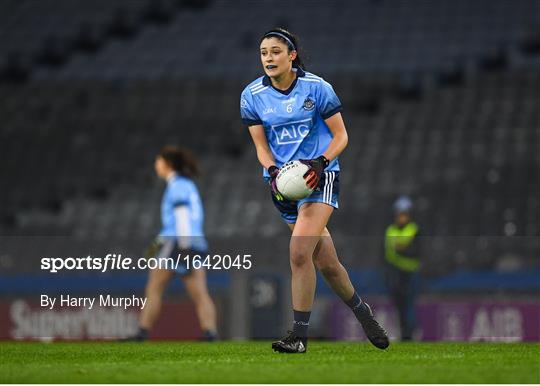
[
  {"x": 274, "y": 171},
  {"x": 315, "y": 171}
]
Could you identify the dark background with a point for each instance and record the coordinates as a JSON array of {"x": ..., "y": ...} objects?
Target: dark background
[{"x": 441, "y": 102}]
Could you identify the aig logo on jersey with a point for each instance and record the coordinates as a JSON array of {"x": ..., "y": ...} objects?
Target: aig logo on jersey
[
  {"x": 292, "y": 132},
  {"x": 308, "y": 104}
]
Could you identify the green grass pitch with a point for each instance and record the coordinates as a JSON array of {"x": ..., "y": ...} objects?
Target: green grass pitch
[{"x": 254, "y": 362}]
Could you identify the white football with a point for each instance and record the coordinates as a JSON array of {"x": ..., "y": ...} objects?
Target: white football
[{"x": 291, "y": 183}]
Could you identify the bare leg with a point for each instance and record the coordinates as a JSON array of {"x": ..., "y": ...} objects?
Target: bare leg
[
  {"x": 325, "y": 259},
  {"x": 327, "y": 262},
  {"x": 312, "y": 219},
  {"x": 195, "y": 284},
  {"x": 157, "y": 282}
]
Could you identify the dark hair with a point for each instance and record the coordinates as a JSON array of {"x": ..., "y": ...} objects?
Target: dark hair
[
  {"x": 275, "y": 33},
  {"x": 180, "y": 160}
]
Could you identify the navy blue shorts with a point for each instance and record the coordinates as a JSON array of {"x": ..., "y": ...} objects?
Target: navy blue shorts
[{"x": 327, "y": 192}]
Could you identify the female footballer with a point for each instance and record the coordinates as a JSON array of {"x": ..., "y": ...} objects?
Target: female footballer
[
  {"x": 295, "y": 115},
  {"x": 182, "y": 233}
]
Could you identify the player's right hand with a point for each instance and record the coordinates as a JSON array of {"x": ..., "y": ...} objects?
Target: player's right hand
[{"x": 274, "y": 171}]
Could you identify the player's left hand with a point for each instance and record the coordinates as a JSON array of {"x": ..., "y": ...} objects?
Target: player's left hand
[{"x": 315, "y": 171}]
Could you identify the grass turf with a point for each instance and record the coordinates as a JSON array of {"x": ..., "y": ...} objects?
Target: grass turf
[{"x": 254, "y": 362}]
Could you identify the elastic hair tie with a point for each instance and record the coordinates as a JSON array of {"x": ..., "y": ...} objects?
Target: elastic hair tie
[{"x": 281, "y": 36}]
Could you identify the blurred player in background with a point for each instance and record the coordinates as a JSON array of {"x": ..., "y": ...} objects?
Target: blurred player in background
[
  {"x": 182, "y": 233},
  {"x": 402, "y": 265},
  {"x": 293, "y": 114}
]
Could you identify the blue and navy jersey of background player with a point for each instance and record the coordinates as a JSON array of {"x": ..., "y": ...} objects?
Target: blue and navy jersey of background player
[
  {"x": 182, "y": 214},
  {"x": 293, "y": 120}
]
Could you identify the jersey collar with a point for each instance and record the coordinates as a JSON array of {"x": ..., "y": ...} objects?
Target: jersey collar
[
  {"x": 171, "y": 177},
  {"x": 299, "y": 73}
]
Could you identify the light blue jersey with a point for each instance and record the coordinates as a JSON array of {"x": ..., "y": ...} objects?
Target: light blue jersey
[
  {"x": 182, "y": 214},
  {"x": 293, "y": 120}
]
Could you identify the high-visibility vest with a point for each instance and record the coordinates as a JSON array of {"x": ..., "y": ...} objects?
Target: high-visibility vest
[{"x": 401, "y": 236}]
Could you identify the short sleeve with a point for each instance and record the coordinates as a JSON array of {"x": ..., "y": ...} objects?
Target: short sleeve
[
  {"x": 247, "y": 109},
  {"x": 328, "y": 102},
  {"x": 179, "y": 193}
]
